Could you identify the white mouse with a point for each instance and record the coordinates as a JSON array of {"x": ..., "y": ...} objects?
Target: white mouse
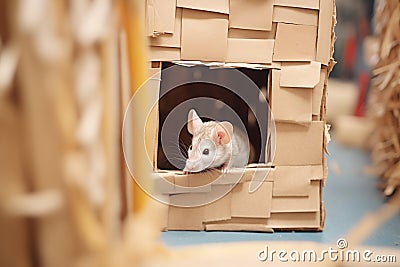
[{"x": 215, "y": 145}]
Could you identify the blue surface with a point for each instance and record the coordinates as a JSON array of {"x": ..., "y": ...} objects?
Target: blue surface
[{"x": 347, "y": 197}]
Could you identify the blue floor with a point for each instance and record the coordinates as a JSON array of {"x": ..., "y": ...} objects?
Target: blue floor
[{"x": 347, "y": 196}]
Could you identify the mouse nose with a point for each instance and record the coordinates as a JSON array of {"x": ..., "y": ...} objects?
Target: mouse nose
[{"x": 190, "y": 165}]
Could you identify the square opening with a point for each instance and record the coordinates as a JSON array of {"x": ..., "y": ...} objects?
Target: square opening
[{"x": 239, "y": 95}]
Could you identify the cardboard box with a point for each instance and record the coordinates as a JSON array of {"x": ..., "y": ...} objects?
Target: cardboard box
[{"x": 294, "y": 40}]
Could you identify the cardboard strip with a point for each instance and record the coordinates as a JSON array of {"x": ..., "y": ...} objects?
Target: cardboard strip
[
  {"x": 324, "y": 41},
  {"x": 295, "y": 220},
  {"x": 250, "y": 50},
  {"x": 252, "y": 15},
  {"x": 252, "y": 34},
  {"x": 220, "y": 6},
  {"x": 295, "y": 15},
  {"x": 318, "y": 93},
  {"x": 164, "y": 53},
  {"x": 300, "y": 75},
  {"x": 311, "y": 4},
  {"x": 239, "y": 227}
]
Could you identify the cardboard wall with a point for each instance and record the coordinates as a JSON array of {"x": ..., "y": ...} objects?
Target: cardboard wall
[{"x": 295, "y": 40}]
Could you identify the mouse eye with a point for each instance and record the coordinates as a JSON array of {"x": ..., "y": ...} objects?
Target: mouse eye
[
  {"x": 206, "y": 151},
  {"x": 190, "y": 148}
]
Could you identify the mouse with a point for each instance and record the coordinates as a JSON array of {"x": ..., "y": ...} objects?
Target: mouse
[{"x": 215, "y": 145}]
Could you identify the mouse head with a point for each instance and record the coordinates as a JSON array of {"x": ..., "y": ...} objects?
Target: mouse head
[{"x": 211, "y": 143}]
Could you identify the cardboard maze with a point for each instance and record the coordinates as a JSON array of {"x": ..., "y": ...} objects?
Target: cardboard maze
[{"x": 294, "y": 39}]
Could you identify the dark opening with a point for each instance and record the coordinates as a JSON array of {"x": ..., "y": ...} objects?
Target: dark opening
[{"x": 176, "y": 101}]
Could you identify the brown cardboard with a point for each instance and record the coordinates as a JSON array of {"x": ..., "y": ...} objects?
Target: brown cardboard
[
  {"x": 151, "y": 131},
  {"x": 285, "y": 41},
  {"x": 300, "y": 75},
  {"x": 324, "y": 42},
  {"x": 202, "y": 30},
  {"x": 218, "y": 210},
  {"x": 252, "y": 34},
  {"x": 295, "y": 181},
  {"x": 259, "y": 201},
  {"x": 185, "y": 218},
  {"x": 295, "y": 15},
  {"x": 295, "y": 42},
  {"x": 160, "y": 16},
  {"x": 250, "y": 50},
  {"x": 317, "y": 93},
  {"x": 295, "y": 220},
  {"x": 170, "y": 40},
  {"x": 311, "y": 4},
  {"x": 164, "y": 53},
  {"x": 252, "y": 15},
  {"x": 299, "y": 144},
  {"x": 239, "y": 227},
  {"x": 290, "y": 104},
  {"x": 308, "y": 203},
  {"x": 220, "y": 6}
]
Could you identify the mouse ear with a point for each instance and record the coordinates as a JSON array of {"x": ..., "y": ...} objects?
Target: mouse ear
[
  {"x": 223, "y": 133},
  {"x": 194, "y": 122}
]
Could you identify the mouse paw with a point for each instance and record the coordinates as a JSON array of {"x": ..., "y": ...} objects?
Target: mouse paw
[{"x": 225, "y": 169}]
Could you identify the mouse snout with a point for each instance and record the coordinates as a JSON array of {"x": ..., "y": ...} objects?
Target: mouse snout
[{"x": 191, "y": 165}]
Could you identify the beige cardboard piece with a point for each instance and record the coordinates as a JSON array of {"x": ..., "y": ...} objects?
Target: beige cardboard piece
[
  {"x": 308, "y": 203},
  {"x": 318, "y": 92},
  {"x": 164, "y": 53},
  {"x": 259, "y": 201},
  {"x": 295, "y": 42},
  {"x": 294, "y": 15},
  {"x": 253, "y": 34},
  {"x": 324, "y": 43},
  {"x": 298, "y": 144},
  {"x": 239, "y": 227},
  {"x": 204, "y": 35},
  {"x": 218, "y": 210},
  {"x": 170, "y": 40},
  {"x": 185, "y": 218},
  {"x": 311, "y": 4},
  {"x": 295, "y": 181},
  {"x": 220, "y": 6},
  {"x": 252, "y": 15},
  {"x": 250, "y": 50},
  {"x": 300, "y": 75},
  {"x": 290, "y": 104},
  {"x": 292, "y": 220},
  {"x": 160, "y": 16}
]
